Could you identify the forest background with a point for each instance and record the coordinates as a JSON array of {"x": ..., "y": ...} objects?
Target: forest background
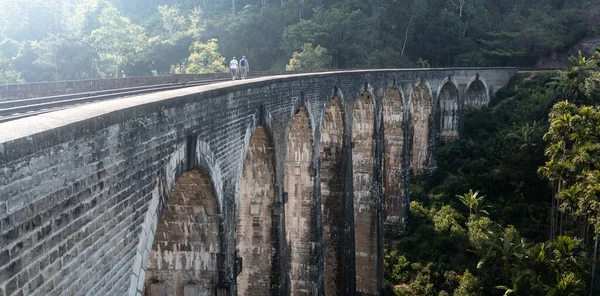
[
  {"x": 514, "y": 206},
  {"x": 44, "y": 40}
]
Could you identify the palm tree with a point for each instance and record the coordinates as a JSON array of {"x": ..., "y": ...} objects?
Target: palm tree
[
  {"x": 423, "y": 63},
  {"x": 552, "y": 269},
  {"x": 568, "y": 285},
  {"x": 505, "y": 247},
  {"x": 568, "y": 255},
  {"x": 473, "y": 203},
  {"x": 531, "y": 272},
  {"x": 527, "y": 136},
  {"x": 560, "y": 84}
]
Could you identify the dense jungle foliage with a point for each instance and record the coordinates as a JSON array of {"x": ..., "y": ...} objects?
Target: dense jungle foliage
[
  {"x": 514, "y": 206},
  {"x": 44, "y": 40}
]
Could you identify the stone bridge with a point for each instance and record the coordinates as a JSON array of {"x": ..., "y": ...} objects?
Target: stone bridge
[{"x": 271, "y": 186}]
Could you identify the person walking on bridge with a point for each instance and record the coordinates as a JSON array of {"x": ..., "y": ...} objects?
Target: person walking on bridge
[
  {"x": 244, "y": 67},
  {"x": 233, "y": 67}
]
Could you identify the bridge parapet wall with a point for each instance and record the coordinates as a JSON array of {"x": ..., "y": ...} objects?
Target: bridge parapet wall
[
  {"x": 20, "y": 91},
  {"x": 82, "y": 189}
]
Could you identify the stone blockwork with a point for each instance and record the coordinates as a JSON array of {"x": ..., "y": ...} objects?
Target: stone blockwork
[
  {"x": 255, "y": 241},
  {"x": 19, "y": 91},
  {"x": 186, "y": 242},
  {"x": 476, "y": 95},
  {"x": 365, "y": 201},
  {"x": 394, "y": 161},
  {"x": 420, "y": 122},
  {"x": 10, "y": 92},
  {"x": 448, "y": 104},
  {"x": 82, "y": 190},
  {"x": 300, "y": 212},
  {"x": 333, "y": 199}
]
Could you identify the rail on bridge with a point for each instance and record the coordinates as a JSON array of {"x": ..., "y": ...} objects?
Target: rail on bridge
[{"x": 280, "y": 185}]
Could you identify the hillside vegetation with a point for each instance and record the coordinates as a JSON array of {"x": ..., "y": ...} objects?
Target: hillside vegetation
[
  {"x": 514, "y": 207},
  {"x": 77, "y": 39}
]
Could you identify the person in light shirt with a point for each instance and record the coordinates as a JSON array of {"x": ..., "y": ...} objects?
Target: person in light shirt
[
  {"x": 233, "y": 67},
  {"x": 244, "y": 67}
]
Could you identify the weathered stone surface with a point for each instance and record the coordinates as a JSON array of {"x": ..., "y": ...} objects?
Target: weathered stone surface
[
  {"x": 394, "y": 160},
  {"x": 255, "y": 241},
  {"x": 332, "y": 155},
  {"x": 10, "y": 92},
  {"x": 476, "y": 96},
  {"x": 300, "y": 219},
  {"x": 365, "y": 201},
  {"x": 448, "y": 104},
  {"x": 420, "y": 121},
  {"x": 82, "y": 189},
  {"x": 186, "y": 242}
]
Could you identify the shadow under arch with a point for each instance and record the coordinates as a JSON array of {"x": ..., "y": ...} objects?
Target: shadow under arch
[
  {"x": 300, "y": 213},
  {"x": 364, "y": 200},
  {"x": 199, "y": 157},
  {"x": 476, "y": 95},
  {"x": 187, "y": 242},
  {"x": 449, "y": 112},
  {"x": 333, "y": 198}
]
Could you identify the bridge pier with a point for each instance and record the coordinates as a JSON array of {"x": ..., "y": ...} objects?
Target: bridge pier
[{"x": 254, "y": 187}]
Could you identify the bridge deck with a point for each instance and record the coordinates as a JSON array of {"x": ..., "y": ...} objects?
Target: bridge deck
[{"x": 82, "y": 189}]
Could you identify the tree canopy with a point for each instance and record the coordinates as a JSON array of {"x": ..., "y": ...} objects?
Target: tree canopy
[{"x": 75, "y": 39}]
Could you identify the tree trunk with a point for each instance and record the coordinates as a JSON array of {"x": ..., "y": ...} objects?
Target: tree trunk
[
  {"x": 554, "y": 211},
  {"x": 560, "y": 226},
  {"x": 406, "y": 34},
  {"x": 594, "y": 265},
  {"x": 117, "y": 67},
  {"x": 552, "y": 218}
]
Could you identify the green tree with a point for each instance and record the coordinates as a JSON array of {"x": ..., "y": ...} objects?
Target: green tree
[
  {"x": 504, "y": 248},
  {"x": 204, "y": 58},
  {"x": 172, "y": 20},
  {"x": 478, "y": 231},
  {"x": 574, "y": 161},
  {"x": 7, "y": 75},
  {"x": 526, "y": 137},
  {"x": 469, "y": 285},
  {"x": 396, "y": 267},
  {"x": 423, "y": 63},
  {"x": 473, "y": 202},
  {"x": 9, "y": 48},
  {"x": 498, "y": 47},
  {"x": 118, "y": 42},
  {"x": 310, "y": 58},
  {"x": 553, "y": 268}
]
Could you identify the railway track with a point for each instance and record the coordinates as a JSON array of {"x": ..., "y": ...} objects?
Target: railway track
[
  {"x": 12, "y": 110},
  {"x": 16, "y": 109}
]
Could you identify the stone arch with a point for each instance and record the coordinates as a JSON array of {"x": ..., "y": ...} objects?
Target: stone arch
[
  {"x": 448, "y": 108},
  {"x": 300, "y": 214},
  {"x": 477, "y": 95},
  {"x": 187, "y": 240},
  {"x": 333, "y": 196},
  {"x": 255, "y": 242},
  {"x": 364, "y": 201},
  {"x": 206, "y": 159},
  {"x": 393, "y": 124},
  {"x": 420, "y": 117}
]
